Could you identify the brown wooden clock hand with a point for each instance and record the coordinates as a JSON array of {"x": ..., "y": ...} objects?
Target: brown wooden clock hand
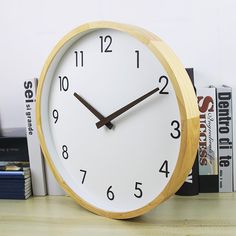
[
  {"x": 93, "y": 110},
  {"x": 115, "y": 114}
]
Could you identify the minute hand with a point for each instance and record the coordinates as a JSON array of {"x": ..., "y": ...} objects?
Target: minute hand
[{"x": 115, "y": 114}]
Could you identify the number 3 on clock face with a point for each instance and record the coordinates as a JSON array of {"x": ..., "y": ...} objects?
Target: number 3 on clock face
[{"x": 110, "y": 122}]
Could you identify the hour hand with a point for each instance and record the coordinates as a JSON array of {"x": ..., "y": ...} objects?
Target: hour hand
[{"x": 93, "y": 110}]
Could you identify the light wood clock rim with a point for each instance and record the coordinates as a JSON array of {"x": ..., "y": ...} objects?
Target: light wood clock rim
[{"x": 187, "y": 106}]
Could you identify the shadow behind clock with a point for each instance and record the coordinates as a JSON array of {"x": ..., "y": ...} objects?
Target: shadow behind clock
[{"x": 191, "y": 185}]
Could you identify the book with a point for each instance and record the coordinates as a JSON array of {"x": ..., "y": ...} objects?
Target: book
[
  {"x": 15, "y": 182},
  {"x": 234, "y": 135},
  {"x": 14, "y": 190},
  {"x": 13, "y": 186},
  {"x": 13, "y": 165},
  {"x": 35, "y": 155},
  {"x": 18, "y": 174},
  {"x": 208, "y": 147},
  {"x": 43, "y": 181},
  {"x": 23, "y": 195},
  {"x": 191, "y": 185},
  {"x": 225, "y": 138},
  {"x": 13, "y": 145}
]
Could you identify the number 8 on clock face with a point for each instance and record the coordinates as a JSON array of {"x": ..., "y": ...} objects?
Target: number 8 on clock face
[{"x": 110, "y": 121}]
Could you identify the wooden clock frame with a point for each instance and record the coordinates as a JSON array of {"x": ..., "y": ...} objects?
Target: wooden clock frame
[{"x": 187, "y": 103}]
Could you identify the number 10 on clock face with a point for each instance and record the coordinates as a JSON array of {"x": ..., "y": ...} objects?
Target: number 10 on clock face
[{"x": 112, "y": 125}]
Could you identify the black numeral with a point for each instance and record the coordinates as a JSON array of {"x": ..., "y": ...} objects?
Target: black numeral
[
  {"x": 65, "y": 154},
  {"x": 106, "y": 43},
  {"x": 164, "y": 168},
  {"x": 176, "y": 134},
  {"x": 139, "y": 190},
  {"x": 79, "y": 58},
  {"x": 84, "y": 174},
  {"x": 110, "y": 194},
  {"x": 162, "y": 91},
  {"x": 64, "y": 83},
  {"x": 55, "y": 115},
  {"x": 137, "y": 56}
]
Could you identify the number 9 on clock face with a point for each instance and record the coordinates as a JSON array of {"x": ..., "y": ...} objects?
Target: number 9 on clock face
[{"x": 110, "y": 121}]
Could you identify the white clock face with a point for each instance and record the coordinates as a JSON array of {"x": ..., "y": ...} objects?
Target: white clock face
[{"x": 118, "y": 169}]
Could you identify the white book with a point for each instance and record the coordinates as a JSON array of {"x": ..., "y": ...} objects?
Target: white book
[
  {"x": 43, "y": 181},
  {"x": 234, "y": 135},
  {"x": 225, "y": 136},
  {"x": 35, "y": 155}
]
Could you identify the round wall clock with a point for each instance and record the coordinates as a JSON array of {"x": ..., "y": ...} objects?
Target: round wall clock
[{"x": 117, "y": 118}]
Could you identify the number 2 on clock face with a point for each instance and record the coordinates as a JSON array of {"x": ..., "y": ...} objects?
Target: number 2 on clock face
[{"x": 128, "y": 165}]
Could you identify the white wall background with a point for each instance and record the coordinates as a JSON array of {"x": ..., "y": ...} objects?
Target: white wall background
[{"x": 201, "y": 32}]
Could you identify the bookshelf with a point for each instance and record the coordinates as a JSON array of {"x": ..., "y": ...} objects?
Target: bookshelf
[{"x": 205, "y": 214}]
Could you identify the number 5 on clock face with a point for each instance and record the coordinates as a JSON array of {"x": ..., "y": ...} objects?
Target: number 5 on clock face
[{"x": 112, "y": 122}]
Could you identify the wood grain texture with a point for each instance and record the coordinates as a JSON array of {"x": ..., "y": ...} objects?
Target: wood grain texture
[{"x": 206, "y": 214}]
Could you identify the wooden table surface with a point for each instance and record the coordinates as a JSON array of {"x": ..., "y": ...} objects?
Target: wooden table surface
[{"x": 206, "y": 214}]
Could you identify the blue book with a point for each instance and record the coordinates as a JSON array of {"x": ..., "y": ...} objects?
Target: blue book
[
  {"x": 14, "y": 196},
  {"x": 14, "y": 185},
  {"x": 22, "y": 174}
]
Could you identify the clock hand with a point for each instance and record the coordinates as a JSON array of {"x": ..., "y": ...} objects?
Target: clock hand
[
  {"x": 115, "y": 114},
  {"x": 93, "y": 110}
]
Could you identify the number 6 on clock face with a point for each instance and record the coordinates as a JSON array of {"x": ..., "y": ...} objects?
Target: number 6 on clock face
[{"x": 110, "y": 121}]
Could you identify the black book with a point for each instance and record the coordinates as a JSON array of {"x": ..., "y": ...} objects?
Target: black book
[
  {"x": 191, "y": 185},
  {"x": 13, "y": 145}
]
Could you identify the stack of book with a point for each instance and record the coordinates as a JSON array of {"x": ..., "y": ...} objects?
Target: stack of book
[
  {"x": 215, "y": 166},
  {"x": 15, "y": 178},
  {"x": 15, "y": 181}
]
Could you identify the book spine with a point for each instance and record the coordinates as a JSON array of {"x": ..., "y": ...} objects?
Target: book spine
[
  {"x": 17, "y": 173},
  {"x": 225, "y": 151},
  {"x": 15, "y": 181},
  {"x": 234, "y": 135},
  {"x": 43, "y": 181},
  {"x": 15, "y": 196},
  {"x": 191, "y": 185},
  {"x": 35, "y": 156},
  {"x": 15, "y": 189},
  {"x": 208, "y": 151}
]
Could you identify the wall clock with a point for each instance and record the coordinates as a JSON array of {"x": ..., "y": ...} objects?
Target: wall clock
[{"x": 117, "y": 118}]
